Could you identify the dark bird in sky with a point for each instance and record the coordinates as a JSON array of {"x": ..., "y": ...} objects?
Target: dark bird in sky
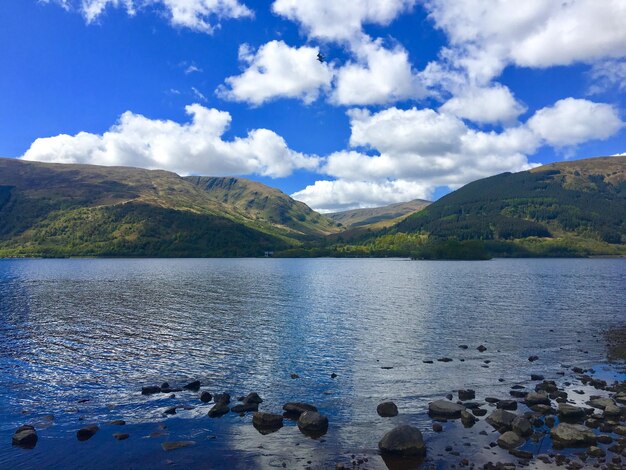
[{"x": 320, "y": 57}]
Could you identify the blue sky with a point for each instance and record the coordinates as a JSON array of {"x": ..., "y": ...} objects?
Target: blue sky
[{"x": 414, "y": 98}]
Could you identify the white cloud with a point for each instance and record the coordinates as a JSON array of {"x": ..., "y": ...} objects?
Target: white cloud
[
  {"x": 608, "y": 74},
  {"x": 192, "y": 69},
  {"x": 198, "y": 15},
  {"x": 378, "y": 76},
  {"x": 329, "y": 196},
  {"x": 574, "y": 121},
  {"x": 340, "y": 21},
  {"x": 198, "y": 94},
  {"x": 278, "y": 70},
  {"x": 492, "y": 105},
  {"x": 196, "y": 147},
  {"x": 485, "y": 35}
]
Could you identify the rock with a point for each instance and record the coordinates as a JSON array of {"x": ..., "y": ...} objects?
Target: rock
[
  {"x": 537, "y": 398},
  {"x": 403, "y": 441},
  {"x": 518, "y": 393},
  {"x": 507, "y": 405},
  {"x": 492, "y": 400},
  {"x": 313, "y": 423},
  {"x": 521, "y": 426},
  {"x": 612, "y": 411},
  {"x": 150, "y": 390},
  {"x": 387, "y": 409},
  {"x": 437, "y": 427},
  {"x": 87, "y": 432},
  {"x": 295, "y": 409},
  {"x": 121, "y": 436},
  {"x": 295, "y": 376},
  {"x": 222, "y": 398},
  {"x": 444, "y": 359},
  {"x": 536, "y": 377},
  {"x": 621, "y": 430},
  {"x": 510, "y": 440},
  {"x": 594, "y": 451},
  {"x": 463, "y": 346},
  {"x": 479, "y": 412},
  {"x": 193, "y": 386},
  {"x": 572, "y": 435},
  {"x": 117, "y": 422},
  {"x": 543, "y": 409},
  {"x": 468, "y": 419},
  {"x": 170, "y": 411},
  {"x": 600, "y": 402},
  {"x": 468, "y": 394},
  {"x": 219, "y": 409},
  {"x": 481, "y": 348},
  {"x": 206, "y": 397},
  {"x": 172, "y": 445},
  {"x": 266, "y": 423},
  {"x": 547, "y": 386},
  {"x": 333, "y": 376},
  {"x": 25, "y": 437},
  {"x": 569, "y": 412},
  {"x": 444, "y": 409},
  {"x": 549, "y": 420},
  {"x": 533, "y": 358},
  {"x": 521, "y": 454},
  {"x": 253, "y": 397},
  {"x": 245, "y": 407},
  {"x": 501, "y": 420}
]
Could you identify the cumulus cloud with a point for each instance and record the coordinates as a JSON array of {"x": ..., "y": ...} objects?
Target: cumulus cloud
[
  {"x": 198, "y": 15},
  {"x": 196, "y": 147},
  {"x": 489, "y": 105},
  {"x": 573, "y": 121},
  {"x": 485, "y": 36},
  {"x": 340, "y": 21},
  {"x": 401, "y": 154},
  {"x": 278, "y": 70},
  {"x": 379, "y": 76}
]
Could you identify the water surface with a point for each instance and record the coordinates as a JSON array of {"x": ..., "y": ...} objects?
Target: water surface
[{"x": 97, "y": 330}]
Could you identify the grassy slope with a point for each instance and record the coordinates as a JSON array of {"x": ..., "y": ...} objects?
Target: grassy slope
[
  {"x": 569, "y": 208},
  {"x": 267, "y": 205},
  {"x": 377, "y": 217},
  {"x": 60, "y": 210}
]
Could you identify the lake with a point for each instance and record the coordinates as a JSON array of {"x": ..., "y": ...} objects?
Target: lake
[{"x": 80, "y": 337}]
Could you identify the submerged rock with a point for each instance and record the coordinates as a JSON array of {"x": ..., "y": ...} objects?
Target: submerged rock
[
  {"x": 205, "y": 397},
  {"x": 193, "y": 386},
  {"x": 87, "y": 432},
  {"x": 117, "y": 422},
  {"x": 295, "y": 409},
  {"x": 245, "y": 407},
  {"x": 150, "y": 390},
  {"x": 121, "y": 436},
  {"x": 572, "y": 435},
  {"x": 313, "y": 423},
  {"x": 387, "y": 409},
  {"x": 172, "y": 445},
  {"x": 253, "y": 397},
  {"x": 25, "y": 436},
  {"x": 403, "y": 441},
  {"x": 445, "y": 409}
]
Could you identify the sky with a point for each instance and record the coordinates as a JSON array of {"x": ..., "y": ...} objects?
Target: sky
[{"x": 412, "y": 98}]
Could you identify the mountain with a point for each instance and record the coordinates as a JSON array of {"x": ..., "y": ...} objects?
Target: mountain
[
  {"x": 85, "y": 210},
  {"x": 259, "y": 202},
  {"x": 378, "y": 216},
  {"x": 567, "y": 208}
]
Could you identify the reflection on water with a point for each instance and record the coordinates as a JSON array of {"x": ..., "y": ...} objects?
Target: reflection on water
[{"x": 98, "y": 330}]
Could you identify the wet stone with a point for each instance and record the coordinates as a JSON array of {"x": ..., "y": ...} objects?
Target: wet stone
[
  {"x": 403, "y": 441},
  {"x": 387, "y": 409},
  {"x": 445, "y": 409},
  {"x": 87, "y": 432}
]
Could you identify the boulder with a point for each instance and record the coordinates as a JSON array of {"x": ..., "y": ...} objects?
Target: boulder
[
  {"x": 468, "y": 419},
  {"x": 313, "y": 423},
  {"x": 222, "y": 398},
  {"x": 510, "y": 405},
  {"x": 193, "y": 386},
  {"x": 150, "y": 390},
  {"x": 403, "y": 441},
  {"x": 245, "y": 407},
  {"x": 572, "y": 435},
  {"x": 295, "y": 409},
  {"x": 444, "y": 409},
  {"x": 600, "y": 402},
  {"x": 219, "y": 409},
  {"x": 468, "y": 394},
  {"x": 501, "y": 420},
  {"x": 387, "y": 409},
  {"x": 521, "y": 426},
  {"x": 87, "y": 432},
  {"x": 253, "y": 397},
  {"x": 612, "y": 411},
  {"x": 481, "y": 348},
  {"x": 25, "y": 437},
  {"x": 267, "y": 423},
  {"x": 569, "y": 412},
  {"x": 537, "y": 398},
  {"x": 510, "y": 440},
  {"x": 206, "y": 397},
  {"x": 536, "y": 377}
]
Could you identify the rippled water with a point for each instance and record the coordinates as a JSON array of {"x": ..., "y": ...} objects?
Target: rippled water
[{"x": 97, "y": 330}]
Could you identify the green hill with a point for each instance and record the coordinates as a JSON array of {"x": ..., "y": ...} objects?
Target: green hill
[
  {"x": 378, "y": 216},
  {"x": 262, "y": 203},
  {"x": 561, "y": 209},
  {"x": 86, "y": 210}
]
